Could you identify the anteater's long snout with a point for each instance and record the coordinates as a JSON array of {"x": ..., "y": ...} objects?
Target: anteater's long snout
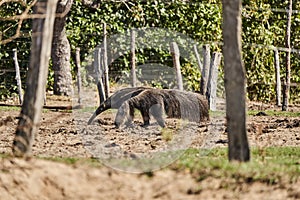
[{"x": 92, "y": 118}]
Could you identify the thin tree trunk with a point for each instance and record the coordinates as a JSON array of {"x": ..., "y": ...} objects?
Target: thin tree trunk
[
  {"x": 278, "y": 81},
  {"x": 77, "y": 59},
  {"x": 234, "y": 81},
  {"x": 213, "y": 80},
  {"x": 18, "y": 76},
  {"x": 176, "y": 62},
  {"x": 132, "y": 57},
  {"x": 287, "y": 82},
  {"x": 61, "y": 51},
  {"x": 105, "y": 62},
  {"x": 42, "y": 30},
  {"x": 99, "y": 74},
  {"x": 205, "y": 69},
  {"x": 198, "y": 58}
]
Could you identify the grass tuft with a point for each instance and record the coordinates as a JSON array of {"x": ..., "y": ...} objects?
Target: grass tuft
[{"x": 275, "y": 113}]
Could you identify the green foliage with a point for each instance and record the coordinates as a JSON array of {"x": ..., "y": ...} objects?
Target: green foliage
[
  {"x": 200, "y": 20},
  {"x": 262, "y": 29},
  {"x": 191, "y": 76},
  {"x": 8, "y": 29}
]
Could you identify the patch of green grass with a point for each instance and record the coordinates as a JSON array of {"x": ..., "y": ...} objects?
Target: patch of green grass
[
  {"x": 46, "y": 110},
  {"x": 71, "y": 161},
  {"x": 167, "y": 134},
  {"x": 10, "y": 108},
  {"x": 254, "y": 112},
  {"x": 87, "y": 109},
  {"x": 66, "y": 160},
  {"x": 217, "y": 113},
  {"x": 275, "y": 113},
  {"x": 277, "y": 164},
  {"x": 4, "y": 155},
  {"x": 17, "y": 108}
]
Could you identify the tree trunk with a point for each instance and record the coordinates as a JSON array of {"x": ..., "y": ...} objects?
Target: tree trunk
[
  {"x": 132, "y": 58},
  {"x": 287, "y": 81},
  {"x": 234, "y": 81},
  {"x": 61, "y": 51},
  {"x": 42, "y": 29},
  {"x": 205, "y": 69},
  {"x": 277, "y": 75},
  {"x": 176, "y": 63},
  {"x": 105, "y": 64}
]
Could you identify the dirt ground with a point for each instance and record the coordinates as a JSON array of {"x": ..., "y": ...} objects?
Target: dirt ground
[{"x": 64, "y": 134}]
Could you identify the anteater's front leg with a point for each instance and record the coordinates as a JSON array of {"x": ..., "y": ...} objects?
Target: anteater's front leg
[
  {"x": 146, "y": 116},
  {"x": 130, "y": 116}
]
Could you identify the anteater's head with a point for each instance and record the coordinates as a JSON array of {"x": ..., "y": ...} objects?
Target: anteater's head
[{"x": 98, "y": 111}]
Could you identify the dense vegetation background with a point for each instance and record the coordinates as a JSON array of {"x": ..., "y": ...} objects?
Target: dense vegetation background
[{"x": 264, "y": 24}]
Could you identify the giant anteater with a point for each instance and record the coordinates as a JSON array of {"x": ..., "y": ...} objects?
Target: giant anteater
[{"x": 174, "y": 103}]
